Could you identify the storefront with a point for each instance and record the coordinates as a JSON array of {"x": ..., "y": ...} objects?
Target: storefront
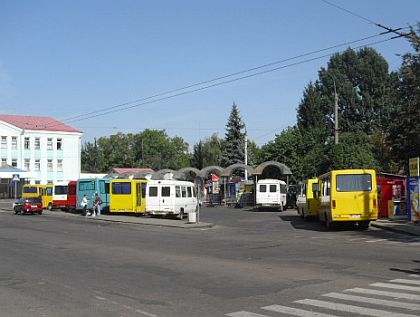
[{"x": 11, "y": 181}]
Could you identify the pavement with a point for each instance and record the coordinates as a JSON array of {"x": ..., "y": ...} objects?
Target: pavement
[{"x": 400, "y": 226}]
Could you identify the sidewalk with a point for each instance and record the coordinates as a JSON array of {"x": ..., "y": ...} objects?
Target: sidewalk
[
  {"x": 400, "y": 226},
  {"x": 128, "y": 219}
]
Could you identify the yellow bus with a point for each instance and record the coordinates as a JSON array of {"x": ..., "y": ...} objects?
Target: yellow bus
[
  {"x": 348, "y": 196},
  {"x": 38, "y": 190},
  {"x": 127, "y": 195},
  {"x": 306, "y": 203}
]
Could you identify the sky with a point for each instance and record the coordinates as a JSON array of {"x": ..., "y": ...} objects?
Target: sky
[{"x": 73, "y": 60}]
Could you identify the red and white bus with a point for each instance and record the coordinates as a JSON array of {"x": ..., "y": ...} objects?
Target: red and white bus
[{"x": 64, "y": 195}]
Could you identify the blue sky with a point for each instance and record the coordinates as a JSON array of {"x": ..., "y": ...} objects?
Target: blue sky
[{"x": 68, "y": 58}]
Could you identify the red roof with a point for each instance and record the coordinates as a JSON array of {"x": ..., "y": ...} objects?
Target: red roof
[
  {"x": 36, "y": 123},
  {"x": 120, "y": 170}
]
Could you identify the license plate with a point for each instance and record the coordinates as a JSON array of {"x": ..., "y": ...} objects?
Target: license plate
[
  {"x": 354, "y": 216},
  {"x": 34, "y": 206}
]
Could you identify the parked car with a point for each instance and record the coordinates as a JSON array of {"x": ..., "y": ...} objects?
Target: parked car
[{"x": 28, "y": 205}]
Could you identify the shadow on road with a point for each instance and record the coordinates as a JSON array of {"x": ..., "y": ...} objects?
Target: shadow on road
[{"x": 413, "y": 271}]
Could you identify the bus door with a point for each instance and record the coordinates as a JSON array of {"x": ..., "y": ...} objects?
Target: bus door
[
  {"x": 166, "y": 200},
  {"x": 153, "y": 201},
  {"x": 139, "y": 197},
  {"x": 47, "y": 194}
]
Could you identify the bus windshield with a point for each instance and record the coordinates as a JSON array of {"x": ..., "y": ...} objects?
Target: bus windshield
[
  {"x": 60, "y": 190},
  {"x": 87, "y": 185},
  {"x": 30, "y": 190},
  {"x": 354, "y": 183}
]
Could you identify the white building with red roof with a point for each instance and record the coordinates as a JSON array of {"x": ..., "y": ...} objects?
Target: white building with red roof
[{"x": 49, "y": 149}]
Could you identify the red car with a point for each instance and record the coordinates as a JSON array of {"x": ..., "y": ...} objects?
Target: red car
[{"x": 28, "y": 205}]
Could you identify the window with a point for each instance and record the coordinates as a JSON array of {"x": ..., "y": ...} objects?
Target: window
[
  {"x": 314, "y": 187},
  {"x": 27, "y": 144},
  {"x": 326, "y": 186},
  {"x": 49, "y": 144},
  {"x": 49, "y": 166},
  {"x": 283, "y": 189},
  {"x": 153, "y": 191},
  {"x": 273, "y": 188},
  {"x": 103, "y": 187},
  {"x": 87, "y": 185},
  {"x": 37, "y": 165},
  {"x": 59, "y": 144},
  {"x": 14, "y": 142},
  {"x": 189, "y": 192},
  {"x": 30, "y": 190},
  {"x": 4, "y": 142},
  {"x": 354, "y": 183},
  {"x": 177, "y": 191},
  {"x": 263, "y": 188},
  {"x": 14, "y": 162},
  {"x": 60, "y": 189},
  {"x": 143, "y": 189},
  {"x": 27, "y": 164},
  {"x": 166, "y": 191},
  {"x": 59, "y": 165},
  {"x": 184, "y": 191},
  {"x": 37, "y": 144},
  {"x": 122, "y": 188}
]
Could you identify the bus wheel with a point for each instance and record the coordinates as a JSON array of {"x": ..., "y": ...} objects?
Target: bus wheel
[
  {"x": 328, "y": 223},
  {"x": 49, "y": 206},
  {"x": 364, "y": 224}
]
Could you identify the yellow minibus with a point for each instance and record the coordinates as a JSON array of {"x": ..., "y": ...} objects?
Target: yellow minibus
[
  {"x": 348, "y": 196},
  {"x": 306, "y": 202},
  {"x": 38, "y": 190},
  {"x": 127, "y": 195}
]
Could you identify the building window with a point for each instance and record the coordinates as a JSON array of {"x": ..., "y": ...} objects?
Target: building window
[
  {"x": 49, "y": 181},
  {"x": 59, "y": 165},
  {"x": 37, "y": 144},
  {"x": 59, "y": 144},
  {"x": 4, "y": 142},
  {"x": 49, "y": 166},
  {"x": 14, "y": 162},
  {"x": 49, "y": 144},
  {"x": 27, "y": 144},
  {"x": 3, "y": 162},
  {"x": 37, "y": 165},
  {"x": 14, "y": 142},
  {"x": 27, "y": 164}
]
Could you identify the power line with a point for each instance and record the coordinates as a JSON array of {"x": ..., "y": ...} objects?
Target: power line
[
  {"x": 350, "y": 12},
  {"x": 123, "y": 105}
]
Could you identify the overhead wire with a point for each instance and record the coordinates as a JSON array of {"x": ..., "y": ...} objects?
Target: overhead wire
[{"x": 138, "y": 102}]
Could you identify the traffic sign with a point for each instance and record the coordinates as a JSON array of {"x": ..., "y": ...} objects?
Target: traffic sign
[{"x": 15, "y": 178}]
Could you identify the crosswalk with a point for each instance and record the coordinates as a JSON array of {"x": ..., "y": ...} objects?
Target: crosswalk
[{"x": 393, "y": 298}]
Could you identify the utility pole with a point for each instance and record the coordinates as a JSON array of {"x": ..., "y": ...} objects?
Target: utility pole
[
  {"x": 246, "y": 155},
  {"x": 335, "y": 112}
]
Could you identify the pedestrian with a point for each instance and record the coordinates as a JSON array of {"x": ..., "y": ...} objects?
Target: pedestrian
[
  {"x": 97, "y": 205},
  {"x": 84, "y": 205}
]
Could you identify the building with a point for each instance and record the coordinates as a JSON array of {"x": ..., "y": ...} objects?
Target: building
[{"x": 46, "y": 148}]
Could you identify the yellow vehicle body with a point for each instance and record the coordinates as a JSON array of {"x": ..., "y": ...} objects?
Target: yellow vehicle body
[
  {"x": 127, "y": 196},
  {"x": 348, "y": 196},
  {"x": 38, "y": 190},
  {"x": 306, "y": 202}
]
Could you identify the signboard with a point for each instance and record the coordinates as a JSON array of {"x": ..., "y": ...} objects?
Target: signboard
[
  {"x": 413, "y": 191},
  {"x": 414, "y": 166},
  {"x": 15, "y": 178}
]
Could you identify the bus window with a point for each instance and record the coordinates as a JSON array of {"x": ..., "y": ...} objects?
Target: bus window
[
  {"x": 177, "y": 191},
  {"x": 189, "y": 192},
  {"x": 60, "y": 190},
  {"x": 166, "y": 191},
  {"x": 49, "y": 191},
  {"x": 273, "y": 188},
  {"x": 184, "y": 192},
  {"x": 153, "y": 191},
  {"x": 143, "y": 189},
  {"x": 354, "y": 183},
  {"x": 85, "y": 186},
  {"x": 30, "y": 190},
  {"x": 123, "y": 188},
  {"x": 263, "y": 188},
  {"x": 314, "y": 187},
  {"x": 103, "y": 187}
]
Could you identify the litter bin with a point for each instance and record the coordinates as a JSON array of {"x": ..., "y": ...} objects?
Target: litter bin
[{"x": 192, "y": 217}]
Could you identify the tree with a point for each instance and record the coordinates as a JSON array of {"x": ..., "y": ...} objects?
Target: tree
[
  {"x": 405, "y": 129},
  {"x": 92, "y": 158},
  {"x": 207, "y": 152},
  {"x": 233, "y": 151}
]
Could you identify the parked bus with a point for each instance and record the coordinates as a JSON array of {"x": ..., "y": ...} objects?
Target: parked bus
[
  {"x": 64, "y": 195},
  {"x": 348, "y": 196},
  {"x": 90, "y": 186},
  {"x": 271, "y": 193},
  {"x": 128, "y": 195},
  {"x": 38, "y": 190},
  {"x": 306, "y": 203},
  {"x": 170, "y": 197}
]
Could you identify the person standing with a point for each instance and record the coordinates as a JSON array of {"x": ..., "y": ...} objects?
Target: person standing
[
  {"x": 97, "y": 205},
  {"x": 84, "y": 205}
]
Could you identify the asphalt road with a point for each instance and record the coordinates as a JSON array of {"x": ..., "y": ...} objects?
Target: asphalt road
[{"x": 247, "y": 265}]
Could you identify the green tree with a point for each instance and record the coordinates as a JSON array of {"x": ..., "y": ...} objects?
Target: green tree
[
  {"x": 92, "y": 159},
  {"x": 404, "y": 138},
  {"x": 233, "y": 151}
]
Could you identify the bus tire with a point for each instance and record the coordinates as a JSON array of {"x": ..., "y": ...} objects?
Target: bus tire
[
  {"x": 363, "y": 225},
  {"x": 181, "y": 214},
  {"x": 328, "y": 223},
  {"x": 49, "y": 207}
]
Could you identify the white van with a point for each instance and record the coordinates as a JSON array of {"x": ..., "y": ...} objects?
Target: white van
[
  {"x": 271, "y": 193},
  {"x": 170, "y": 197}
]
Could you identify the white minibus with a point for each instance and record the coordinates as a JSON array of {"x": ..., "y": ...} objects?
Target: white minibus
[{"x": 271, "y": 193}]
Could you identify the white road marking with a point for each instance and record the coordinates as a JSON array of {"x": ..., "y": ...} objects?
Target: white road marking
[
  {"x": 295, "y": 311},
  {"x": 376, "y": 240},
  {"x": 352, "y": 309},
  {"x": 245, "y": 314},
  {"x": 100, "y": 298},
  {"x": 383, "y": 293},
  {"x": 404, "y": 281},
  {"x": 375, "y": 301},
  {"x": 397, "y": 286},
  {"x": 145, "y": 313},
  {"x": 415, "y": 275}
]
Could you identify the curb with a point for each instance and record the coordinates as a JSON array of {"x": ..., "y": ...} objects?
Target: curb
[{"x": 390, "y": 228}]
